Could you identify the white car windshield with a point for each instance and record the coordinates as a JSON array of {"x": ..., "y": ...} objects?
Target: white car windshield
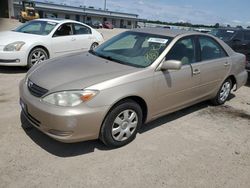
[
  {"x": 133, "y": 48},
  {"x": 37, "y": 27}
]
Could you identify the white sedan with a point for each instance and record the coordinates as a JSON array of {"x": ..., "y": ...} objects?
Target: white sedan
[{"x": 42, "y": 39}]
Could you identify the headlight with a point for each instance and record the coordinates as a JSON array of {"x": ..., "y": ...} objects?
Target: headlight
[
  {"x": 15, "y": 46},
  {"x": 70, "y": 98}
]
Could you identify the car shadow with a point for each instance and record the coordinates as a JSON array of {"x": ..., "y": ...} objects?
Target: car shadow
[
  {"x": 58, "y": 148},
  {"x": 74, "y": 149},
  {"x": 248, "y": 81},
  {"x": 173, "y": 116},
  {"x": 13, "y": 70}
]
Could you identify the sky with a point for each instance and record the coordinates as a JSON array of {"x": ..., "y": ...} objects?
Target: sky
[{"x": 232, "y": 12}]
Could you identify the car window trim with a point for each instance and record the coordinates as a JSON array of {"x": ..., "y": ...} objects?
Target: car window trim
[
  {"x": 192, "y": 37},
  {"x": 205, "y": 36},
  {"x": 53, "y": 36},
  {"x": 74, "y": 30}
]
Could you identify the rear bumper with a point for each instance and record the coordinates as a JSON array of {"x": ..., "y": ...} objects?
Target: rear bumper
[{"x": 241, "y": 79}]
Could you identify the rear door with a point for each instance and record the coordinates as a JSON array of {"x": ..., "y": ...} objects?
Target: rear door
[
  {"x": 63, "y": 41},
  {"x": 83, "y": 37},
  {"x": 177, "y": 88},
  {"x": 214, "y": 65}
]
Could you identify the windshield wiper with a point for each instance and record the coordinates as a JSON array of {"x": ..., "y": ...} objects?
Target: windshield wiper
[
  {"x": 103, "y": 56},
  {"x": 113, "y": 59}
]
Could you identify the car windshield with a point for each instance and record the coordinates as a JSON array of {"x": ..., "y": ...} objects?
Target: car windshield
[
  {"x": 133, "y": 48},
  {"x": 37, "y": 27},
  {"x": 223, "y": 34}
]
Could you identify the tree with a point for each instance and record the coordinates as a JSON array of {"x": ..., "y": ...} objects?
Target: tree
[{"x": 217, "y": 25}]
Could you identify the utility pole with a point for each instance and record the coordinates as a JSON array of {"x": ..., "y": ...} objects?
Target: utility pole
[{"x": 105, "y": 3}]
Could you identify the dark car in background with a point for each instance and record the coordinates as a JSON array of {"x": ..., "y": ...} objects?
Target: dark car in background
[
  {"x": 107, "y": 25},
  {"x": 237, "y": 38},
  {"x": 95, "y": 24}
]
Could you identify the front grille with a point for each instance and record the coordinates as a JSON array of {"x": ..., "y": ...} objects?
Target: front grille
[{"x": 36, "y": 90}]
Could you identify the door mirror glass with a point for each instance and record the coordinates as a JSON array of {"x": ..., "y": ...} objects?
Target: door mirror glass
[{"x": 171, "y": 65}]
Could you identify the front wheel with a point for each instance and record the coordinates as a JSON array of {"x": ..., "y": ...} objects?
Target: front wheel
[
  {"x": 121, "y": 124},
  {"x": 223, "y": 93},
  {"x": 36, "y": 56}
]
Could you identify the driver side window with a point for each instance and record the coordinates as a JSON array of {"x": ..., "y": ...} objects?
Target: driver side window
[
  {"x": 64, "y": 30},
  {"x": 183, "y": 50}
]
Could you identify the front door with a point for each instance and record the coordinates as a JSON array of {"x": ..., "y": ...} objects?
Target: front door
[{"x": 177, "y": 88}]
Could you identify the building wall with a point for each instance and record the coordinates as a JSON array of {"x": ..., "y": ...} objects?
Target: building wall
[
  {"x": 11, "y": 8},
  {"x": 83, "y": 17}
]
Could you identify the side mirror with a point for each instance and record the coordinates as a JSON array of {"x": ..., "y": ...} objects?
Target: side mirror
[{"x": 171, "y": 65}]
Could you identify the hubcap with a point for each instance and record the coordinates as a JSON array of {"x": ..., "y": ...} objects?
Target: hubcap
[
  {"x": 225, "y": 90},
  {"x": 124, "y": 125},
  {"x": 38, "y": 57}
]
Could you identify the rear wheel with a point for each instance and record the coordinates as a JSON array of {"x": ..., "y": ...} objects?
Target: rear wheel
[
  {"x": 121, "y": 124},
  {"x": 223, "y": 93},
  {"x": 37, "y": 55},
  {"x": 93, "y": 46}
]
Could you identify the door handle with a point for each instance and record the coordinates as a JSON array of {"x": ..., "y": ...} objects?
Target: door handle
[
  {"x": 196, "y": 71},
  {"x": 226, "y": 64},
  {"x": 73, "y": 39}
]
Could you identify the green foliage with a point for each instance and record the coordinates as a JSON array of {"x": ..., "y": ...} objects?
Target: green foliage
[{"x": 183, "y": 24}]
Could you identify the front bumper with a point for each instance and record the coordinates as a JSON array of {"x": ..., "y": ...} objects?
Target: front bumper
[
  {"x": 65, "y": 124},
  {"x": 16, "y": 58}
]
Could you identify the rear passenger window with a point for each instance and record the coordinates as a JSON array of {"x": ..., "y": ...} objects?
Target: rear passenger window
[
  {"x": 210, "y": 49},
  {"x": 183, "y": 50},
  {"x": 81, "y": 29},
  {"x": 247, "y": 35}
]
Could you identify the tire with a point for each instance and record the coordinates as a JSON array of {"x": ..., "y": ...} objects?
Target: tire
[
  {"x": 223, "y": 93},
  {"x": 21, "y": 20},
  {"x": 37, "y": 55},
  {"x": 93, "y": 46},
  {"x": 117, "y": 129}
]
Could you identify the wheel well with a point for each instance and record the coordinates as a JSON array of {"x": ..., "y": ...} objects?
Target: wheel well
[
  {"x": 142, "y": 104},
  {"x": 233, "y": 79},
  {"x": 46, "y": 50},
  {"x": 139, "y": 101}
]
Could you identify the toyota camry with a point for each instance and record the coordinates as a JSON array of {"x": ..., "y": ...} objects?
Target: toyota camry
[{"x": 131, "y": 79}]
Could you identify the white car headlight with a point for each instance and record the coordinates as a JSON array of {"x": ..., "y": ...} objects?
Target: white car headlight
[
  {"x": 15, "y": 46},
  {"x": 70, "y": 98}
]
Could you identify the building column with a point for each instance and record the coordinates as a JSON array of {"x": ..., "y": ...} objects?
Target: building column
[{"x": 11, "y": 8}]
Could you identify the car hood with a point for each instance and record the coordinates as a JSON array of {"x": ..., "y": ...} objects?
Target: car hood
[
  {"x": 76, "y": 71},
  {"x": 7, "y": 37}
]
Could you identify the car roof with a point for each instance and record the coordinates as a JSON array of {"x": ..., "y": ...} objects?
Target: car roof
[
  {"x": 57, "y": 20},
  {"x": 163, "y": 31}
]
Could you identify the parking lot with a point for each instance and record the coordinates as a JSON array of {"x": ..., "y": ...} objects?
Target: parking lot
[{"x": 200, "y": 146}]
